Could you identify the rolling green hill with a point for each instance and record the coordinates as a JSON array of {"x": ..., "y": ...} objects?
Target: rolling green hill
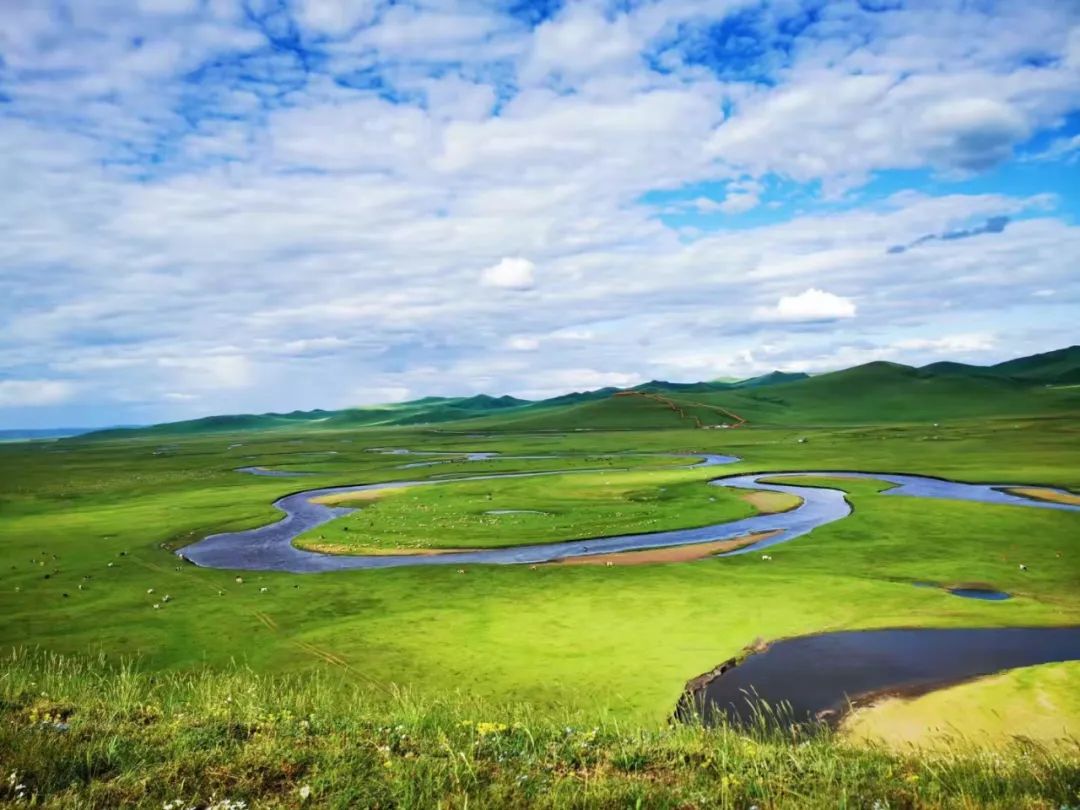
[
  {"x": 874, "y": 393},
  {"x": 1060, "y": 367},
  {"x": 888, "y": 392}
]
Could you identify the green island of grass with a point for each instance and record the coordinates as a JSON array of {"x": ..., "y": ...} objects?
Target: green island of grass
[{"x": 523, "y": 511}]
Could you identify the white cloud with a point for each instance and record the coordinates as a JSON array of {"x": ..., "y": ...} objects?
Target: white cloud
[
  {"x": 810, "y": 305},
  {"x": 742, "y": 196},
  {"x": 309, "y": 346},
  {"x": 949, "y": 345},
  {"x": 379, "y": 395},
  {"x": 523, "y": 343},
  {"x": 335, "y": 17},
  {"x": 211, "y": 371},
  {"x": 581, "y": 42},
  {"x": 33, "y": 393},
  {"x": 1068, "y": 148},
  {"x": 972, "y": 133},
  {"x": 512, "y": 273},
  {"x": 361, "y": 192},
  {"x": 561, "y": 381}
]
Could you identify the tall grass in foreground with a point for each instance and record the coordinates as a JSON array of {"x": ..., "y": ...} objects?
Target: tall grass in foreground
[{"x": 82, "y": 733}]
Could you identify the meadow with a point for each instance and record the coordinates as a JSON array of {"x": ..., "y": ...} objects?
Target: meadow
[{"x": 89, "y": 526}]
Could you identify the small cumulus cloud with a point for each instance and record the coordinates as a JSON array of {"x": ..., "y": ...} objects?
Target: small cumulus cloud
[
  {"x": 742, "y": 196},
  {"x": 811, "y": 305},
  {"x": 23, "y": 393},
  {"x": 512, "y": 273}
]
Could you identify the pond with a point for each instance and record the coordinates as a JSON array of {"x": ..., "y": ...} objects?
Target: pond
[{"x": 817, "y": 677}]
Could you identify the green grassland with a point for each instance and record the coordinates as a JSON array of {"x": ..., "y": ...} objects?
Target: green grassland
[
  {"x": 76, "y": 733},
  {"x": 621, "y": 639},
  {"x": 89, "y": 525},
  {"x": 543, "y": 510}
]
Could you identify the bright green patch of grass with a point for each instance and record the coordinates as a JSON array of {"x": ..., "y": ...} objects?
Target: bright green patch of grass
[
  {"x": 541, "y": 510},
  {"x": 79, "y": 733},
  {"x": 624, "y": 638}
]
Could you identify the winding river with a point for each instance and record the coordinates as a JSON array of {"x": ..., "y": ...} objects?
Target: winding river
[{"x": 270, "y": 548}]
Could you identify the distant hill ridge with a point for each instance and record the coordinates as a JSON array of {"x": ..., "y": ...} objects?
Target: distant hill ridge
[{"x": 878, "y": 391}]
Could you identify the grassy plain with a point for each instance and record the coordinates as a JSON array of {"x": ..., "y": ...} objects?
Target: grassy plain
[{"x": 615, "y": 644}]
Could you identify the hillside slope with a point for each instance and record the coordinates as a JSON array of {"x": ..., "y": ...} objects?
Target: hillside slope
[
  {"x": 1060, "y": 367},
  {"x": 877, "y": 392},
  {"x": 873, "y": 393}
]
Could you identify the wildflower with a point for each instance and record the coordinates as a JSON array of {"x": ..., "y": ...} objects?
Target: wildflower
[{"x": 305, "y": 793}]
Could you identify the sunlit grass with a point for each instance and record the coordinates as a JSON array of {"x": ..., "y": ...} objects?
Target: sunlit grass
[{"x": 77, "y": 732}]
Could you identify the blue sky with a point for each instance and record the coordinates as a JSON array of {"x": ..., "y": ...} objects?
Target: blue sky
[{"x": 216, "y": 206}]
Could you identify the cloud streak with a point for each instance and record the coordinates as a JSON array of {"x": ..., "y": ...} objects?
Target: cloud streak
[{"x": 995, "y": 224}]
